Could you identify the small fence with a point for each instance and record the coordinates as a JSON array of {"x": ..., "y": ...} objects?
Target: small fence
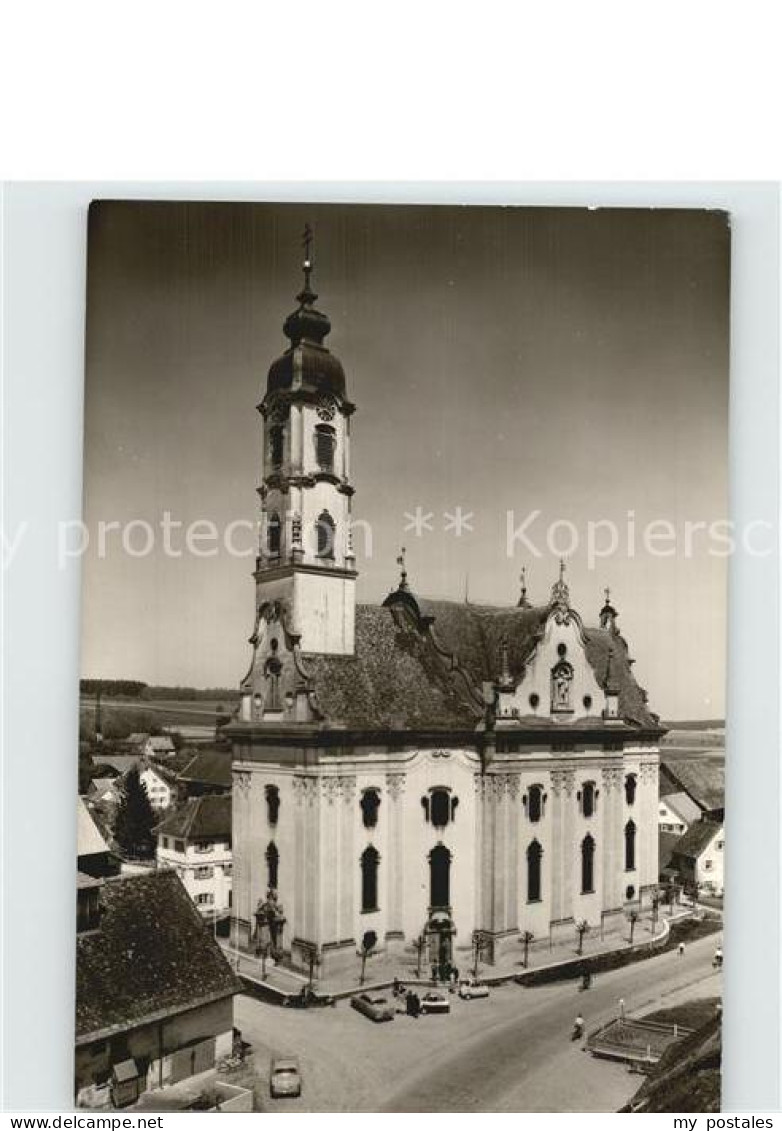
[{"x": 634, "y": 1040}]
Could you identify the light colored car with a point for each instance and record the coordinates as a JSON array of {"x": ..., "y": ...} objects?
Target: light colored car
[
  {"x": 435, "y": 1003},
  {"x": 373, "y": 1007},
  {"x": 285, "y": 1077},
  {"x": 469, "y": 988}
]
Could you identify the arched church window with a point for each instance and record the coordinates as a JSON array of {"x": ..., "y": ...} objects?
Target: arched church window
[
  {"x": 370, "y": 859},
  {"x": 272, "y": 804},
  {"x": 631, "y": 782},
  {"x": 630, "y": 846},
  {"x": 276, "y": 444},
  {"x": 588, "y": 798},
  {"x": 587, "y": 864},
  {"x": 534, "y": 802},
  {"x": 272, "y": 866},
  {"x": 439, "y": 877},
  {"x": 561, "y": 686},
  {"x": 440, "y": 808},
  {"x": 274, "y": 534},
  {"x": 326, "y": 535},
  {"x": 534, "y": 886},
  {"x": 370, "y": 803},
  {"x": 325, "y": 445}
]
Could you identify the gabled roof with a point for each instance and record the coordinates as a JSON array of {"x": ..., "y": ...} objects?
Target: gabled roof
[
  {"x": 683, "y": 806},
  {"x": 161, "y": 743},
  {"x": 137, "y": 738},
  {"x": 703, "y": 779},
  {"x": 697, "y": 838},
  {"x": 151, "y": 957},
  {"x": 414, "y": 670},
  {"x": 209, "y": 767},
  {"x": 120, "y": 762},
  {"x": 89, "y": 839},
  {"x": 200, "y": 818}
]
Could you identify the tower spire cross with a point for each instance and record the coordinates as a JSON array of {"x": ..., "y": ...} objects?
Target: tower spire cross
[{"x": 307, "y": 265}]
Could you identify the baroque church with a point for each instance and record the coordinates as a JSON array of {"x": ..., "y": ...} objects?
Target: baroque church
[{"x": 417, "y": 775}]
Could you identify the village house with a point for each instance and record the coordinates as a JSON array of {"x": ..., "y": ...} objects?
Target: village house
[
  {"x": 698, "y": 858},
  {"x": 154, "y": 993},
  {"x": 195, "y": 841},
  {"x": 160, "y": 786},
  {"x": 94, "y": 856},
  {"x": 677, "y": 811}
]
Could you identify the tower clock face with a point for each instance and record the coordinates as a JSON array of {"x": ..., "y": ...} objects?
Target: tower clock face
[{"x": 327, "y": 406}]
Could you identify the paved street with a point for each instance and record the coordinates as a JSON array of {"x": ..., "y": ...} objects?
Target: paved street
[{"x": 511, "y": 1052}]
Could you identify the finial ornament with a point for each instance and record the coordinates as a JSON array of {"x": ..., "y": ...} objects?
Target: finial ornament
[
  {"x": 505, "y": 680},
  {"x": 523, "y": 603},
  {"x": 400, "y": 561},
  {"x": 608, "y": 613},
  {"x": 560, "y": 594}
]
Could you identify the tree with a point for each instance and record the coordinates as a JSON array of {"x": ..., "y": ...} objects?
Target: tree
[
  {"x": 582, "y": 929},
  {"x": 632, "y": 919},
  {"x": 419, "y": 944},
  {"x": 135, "y": 820},
  {"x": 368, "y": 944},
  {"x": 526, "y": 939}
]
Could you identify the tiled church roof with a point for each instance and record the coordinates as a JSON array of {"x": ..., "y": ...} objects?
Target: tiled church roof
[{"x": 408, "y": 676}]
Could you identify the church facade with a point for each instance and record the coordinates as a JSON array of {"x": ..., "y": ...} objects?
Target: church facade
[{"x": 419, "y": 775}]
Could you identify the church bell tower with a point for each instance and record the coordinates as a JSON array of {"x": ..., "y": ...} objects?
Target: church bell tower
[{"x": 306, "y": 564}]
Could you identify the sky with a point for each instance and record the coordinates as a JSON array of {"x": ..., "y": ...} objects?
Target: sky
[{"x": 505, "y": 361}]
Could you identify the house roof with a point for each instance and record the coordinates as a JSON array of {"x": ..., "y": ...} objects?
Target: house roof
[
  {"x": 89, "y": 839},
  {"x": 427, "y": 667},
  {"x": 137, "y": 738},
  {"x": 697, "y": 838},
  {"x": 683, "y": 806},
  {"x": 200, "y": 818},
  {"x": 104, "y": 785},
  {"x": 161, "y": 742},
  {"x": 120, "y": 762},
  {"x": 151, "y": 957},
  {"x": 209, "y": 767},
  {"x": 703, "y": 779}
]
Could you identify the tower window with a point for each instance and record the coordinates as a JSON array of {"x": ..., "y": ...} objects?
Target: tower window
[
  {"x": 534, "y": 857},
  {"x": 440, "y": 808},
  {"x": 325, "y": 445},
  {"x": 370, "y": 803},
  {"x": 276, "y": 444},
  {"x": 630, "y": 846},
  {"x": 272, "y": 866},
  {"x": 272, "y": 804},
  {"x": 630, "y": 786},
  {"x": 369, "y": 867},
  {"x": 587, "y": 865},
  {"x": 274, "y": 534},
  {"x": 326, "y": 535}
]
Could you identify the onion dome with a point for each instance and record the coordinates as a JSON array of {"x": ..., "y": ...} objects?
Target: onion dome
[{"x": 307, "y": 364}]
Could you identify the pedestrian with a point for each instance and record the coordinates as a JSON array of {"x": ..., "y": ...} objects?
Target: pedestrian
[
  {"x": 434, "y": 971},
  {"x": 681, "y": 950}
]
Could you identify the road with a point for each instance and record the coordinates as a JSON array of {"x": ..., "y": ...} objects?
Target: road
[{"x": 511, "y": 1052}]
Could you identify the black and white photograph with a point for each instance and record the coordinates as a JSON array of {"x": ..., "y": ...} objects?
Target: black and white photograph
[{"x": 401, "y": 745}]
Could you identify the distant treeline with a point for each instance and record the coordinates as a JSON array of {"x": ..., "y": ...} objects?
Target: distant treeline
[
  {"x": 135, "y": 689},
  {"x": 695, "y": 724}
]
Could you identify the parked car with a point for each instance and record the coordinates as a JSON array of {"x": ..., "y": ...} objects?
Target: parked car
[
  {"x": 285, "y": 1077},
  {"x": 469, "y": 988},
  {"x": 435, "y": 1003},
  {"x": 375, "y": 1008}
]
